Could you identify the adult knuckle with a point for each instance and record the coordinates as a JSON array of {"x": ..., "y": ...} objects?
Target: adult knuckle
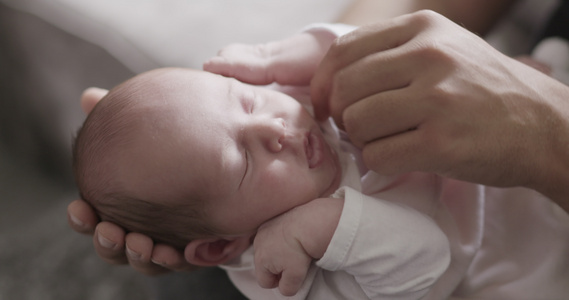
[
  {"x": 425, "y": 18},
  {"x": 434, "y": 52},
  {"x": 339, "y": 47},
  {"x": 439, "y": 97},
  {"x": 339, "y": 83},
  {"x": 352, "y": 125},
  {"x": 337, "y": 90}
]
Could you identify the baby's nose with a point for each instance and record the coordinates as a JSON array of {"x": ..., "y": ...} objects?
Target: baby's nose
[{"x": 272, "y": 133}]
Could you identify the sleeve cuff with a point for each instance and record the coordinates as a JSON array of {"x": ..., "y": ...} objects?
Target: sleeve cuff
[{"x": 346, "y": 230}]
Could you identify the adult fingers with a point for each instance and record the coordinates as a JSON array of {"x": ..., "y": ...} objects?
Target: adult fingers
[
  {"x": 109, "y": 242},
  {"x": 400, "y": 131},
  {"x": 383, "y": 115},
  {"x": 375, "y": 74},
  {"x": 247, "y": 63},
  {"x": 170, "y": 258},
  {"x": 81, "y": 217},
  {"x": 367, "y": 40},
  {"x": 139, "y": 249},
  {"x": 413, "y": 150}
]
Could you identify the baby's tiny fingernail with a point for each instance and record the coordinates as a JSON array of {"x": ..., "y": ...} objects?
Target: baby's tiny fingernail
[
  {"x": 133, "y": 255},
  {"x": 106, "y": 242}
]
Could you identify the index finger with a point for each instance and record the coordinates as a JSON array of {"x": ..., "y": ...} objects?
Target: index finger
[{"x": 350, "y": 48}]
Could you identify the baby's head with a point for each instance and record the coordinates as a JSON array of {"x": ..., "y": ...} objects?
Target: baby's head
[{"x": 184, "y": 155}]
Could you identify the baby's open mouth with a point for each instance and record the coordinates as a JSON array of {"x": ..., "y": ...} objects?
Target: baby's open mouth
[{"x": 313, "y": 147}]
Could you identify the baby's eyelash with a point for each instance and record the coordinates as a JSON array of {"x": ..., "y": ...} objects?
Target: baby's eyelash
[{"x": 246, "y": 168}]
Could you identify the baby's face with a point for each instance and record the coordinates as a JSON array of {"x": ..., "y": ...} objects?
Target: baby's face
[{"x": 253, "y": 153}]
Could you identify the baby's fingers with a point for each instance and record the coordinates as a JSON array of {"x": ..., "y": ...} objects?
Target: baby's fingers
[
  {"x": 291, "y": 281},
  {"x": 267, "y": 278},
  {"x": 288, "y": 280}
]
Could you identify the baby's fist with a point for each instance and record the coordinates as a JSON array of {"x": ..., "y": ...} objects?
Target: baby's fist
[{"x": 280, "y": 259}]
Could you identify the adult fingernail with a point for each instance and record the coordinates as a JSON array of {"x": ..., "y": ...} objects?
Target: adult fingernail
[
  {"x": 133, "y": 255},
  {"x": 212, "y": 62},
  {"x": 163, "y": 264},
  {"x": 97, "y": 90},
  {"x": 106, "y": 242},
  {"x": 76, "y": 221}
]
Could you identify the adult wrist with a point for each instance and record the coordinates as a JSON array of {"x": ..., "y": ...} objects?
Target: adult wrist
[{"x": 552, "y": 179}]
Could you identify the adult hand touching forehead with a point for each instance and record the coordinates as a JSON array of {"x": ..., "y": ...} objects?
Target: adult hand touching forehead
[
  {"x": 111, "y": 242},
  {"x": 420, "y": 93}
]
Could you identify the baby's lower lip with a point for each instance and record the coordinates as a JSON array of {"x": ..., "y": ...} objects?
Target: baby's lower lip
[{"x": 313, "y": 147}]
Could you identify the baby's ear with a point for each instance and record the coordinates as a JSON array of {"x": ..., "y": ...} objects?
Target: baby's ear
[
  {"x": 90, "y": 97},
  {"x": 215, "y": 251}
]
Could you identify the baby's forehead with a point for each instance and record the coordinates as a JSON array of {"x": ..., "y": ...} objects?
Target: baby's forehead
[
  {"x": 169, "y": 77},
  {"x": 151, "y": 88},
  {"x": 164, "y": 95},
  {"x": 168, "y": 94},
  {"x": 172, "y": 83}
]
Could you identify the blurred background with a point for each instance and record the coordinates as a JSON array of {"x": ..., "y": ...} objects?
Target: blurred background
[{"x": 50, "y": 51}]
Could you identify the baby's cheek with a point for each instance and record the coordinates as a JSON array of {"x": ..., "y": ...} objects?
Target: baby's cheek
[{"x": 284, "y": 180}]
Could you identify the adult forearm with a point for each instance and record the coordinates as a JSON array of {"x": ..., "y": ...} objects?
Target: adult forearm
[
  {"x": 476, "y": 15},
  {"x": 552, "y": 175}
]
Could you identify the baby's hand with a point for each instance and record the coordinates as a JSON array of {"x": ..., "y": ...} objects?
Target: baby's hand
[
  {"x": 291, "y": 61},
  {"x": 286, "y": 245},
  {"x": 280, "y": 259}
]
